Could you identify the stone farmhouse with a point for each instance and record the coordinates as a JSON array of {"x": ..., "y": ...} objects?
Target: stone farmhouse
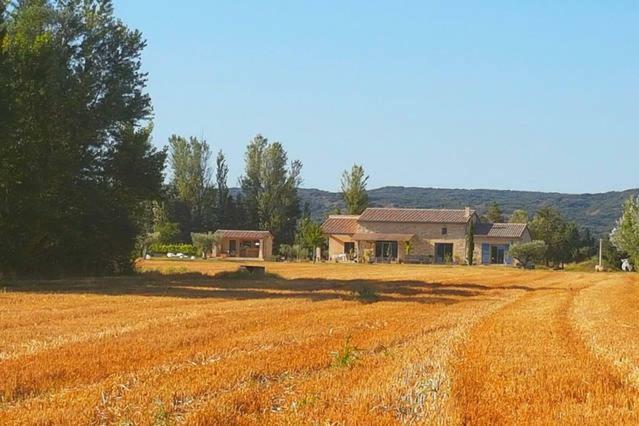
[{"x": 419, "y": 236}]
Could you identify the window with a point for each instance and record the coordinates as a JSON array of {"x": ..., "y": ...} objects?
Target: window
[
  {"x": 443, "y": 253},
  {"x": 349, "y": 248},
  {"x": 444, "y": 231},
  {"x": 249, "y": 244},
  {"x": 386, "y": 249}
]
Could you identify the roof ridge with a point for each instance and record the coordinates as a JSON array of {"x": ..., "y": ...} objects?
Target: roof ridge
[{"x": 416, "y": 208}]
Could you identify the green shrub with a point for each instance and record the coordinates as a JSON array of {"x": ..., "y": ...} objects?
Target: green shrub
[
  {"x": 366, "y": 294},
  {"x": 346, "y": 356},
  {"x": 188, "y": 249}
]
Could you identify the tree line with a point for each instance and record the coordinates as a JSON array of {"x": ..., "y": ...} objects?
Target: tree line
[
  {"x": 197, "y": 198},
  {"x": 76, "y": 160},
  {"x": 82, "y": 188}
]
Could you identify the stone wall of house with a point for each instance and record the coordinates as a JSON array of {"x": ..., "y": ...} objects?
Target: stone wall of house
[
  {"x": 336, "y": 244},
  {"x": 479, "y": 240},
  {"x": 267, "y": 249},
  {"x": 426, "y": 236}
]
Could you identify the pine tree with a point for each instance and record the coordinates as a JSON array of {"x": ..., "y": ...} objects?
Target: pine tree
[{"x": 495, "y": 214}]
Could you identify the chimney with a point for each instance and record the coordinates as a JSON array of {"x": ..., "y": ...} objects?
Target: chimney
[{"x": 467, "y": 211}]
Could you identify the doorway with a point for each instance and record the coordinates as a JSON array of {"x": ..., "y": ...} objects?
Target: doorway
[
  {"x": 443, "y": 253},
  {"x": 497, "y": 255},
  {"x": 385, "y": 251}
]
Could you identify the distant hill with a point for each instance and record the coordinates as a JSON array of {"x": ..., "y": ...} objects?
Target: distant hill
[{"x": 598, "y": 212}]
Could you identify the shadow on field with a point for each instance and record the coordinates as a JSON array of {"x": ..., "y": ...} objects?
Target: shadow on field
[{"x": 240, "y": 286}]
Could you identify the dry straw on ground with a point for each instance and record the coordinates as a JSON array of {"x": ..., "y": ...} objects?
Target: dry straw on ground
[{"x": 323, "y": 344}]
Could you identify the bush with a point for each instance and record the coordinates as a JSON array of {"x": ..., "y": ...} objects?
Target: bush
[
  {"x": 366, "y": 294},
  {"x": 294, "y": 252},
  {"x": 188, "y": 249},
  {"x": 526, "y": 253},
  {"x": 345, "y": 357}
]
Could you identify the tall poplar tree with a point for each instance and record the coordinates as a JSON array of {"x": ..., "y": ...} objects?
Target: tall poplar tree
[
  {"x": 251, "y": 181},
  {"x": 189, "y": 160},
  {"x": 354, "y": 189},
  {"x": 223, "y": 197},
  {"x": 269, "y": 188}
]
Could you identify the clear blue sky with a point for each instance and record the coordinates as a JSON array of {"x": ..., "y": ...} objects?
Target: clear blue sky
[{"x": 538, "y": 95}]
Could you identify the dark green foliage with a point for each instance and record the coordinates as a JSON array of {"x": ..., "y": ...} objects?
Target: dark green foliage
[
  {"x": 224, "y": 220},
  {"x": 525, "y": 253},
  {"x": 470, "y": 243},
  {"x": 188, "y": 249},
  {"x": 366, "y": 294},
  {"x": 354, "y": 189},
  {"x": 168, "y": 232},
  {"x": 205, "y": 242},
  {"x": 76, "y": 161},
  {"x": 191, "y": 189},
  {"x": 519, "y": 216},
  {"x": 494, "y": 213},
  {"x": 611, "y": 255},
  {"x": 309, "y": 235},
  {"x": 269, "y": 189},
  {"x": 564, "y": 241},
  {"x": 625, "y": 236},
  {"x": 251, "y": 181}
]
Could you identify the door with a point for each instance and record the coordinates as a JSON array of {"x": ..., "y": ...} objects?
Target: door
[
  {"x": 497, "y": 255},
  {"x": 443, "y": 253},
  {"x": 232, "y": 247},
  {"x": 386, "y": 250},
  {"x": 349, "y": 249},
  {"x": 485, "y": 253}
]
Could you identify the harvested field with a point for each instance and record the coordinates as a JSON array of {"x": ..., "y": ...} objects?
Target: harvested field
[{"x": 198, "y": 343}]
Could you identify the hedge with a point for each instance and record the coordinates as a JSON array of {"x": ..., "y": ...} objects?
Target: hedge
[{"x": 187, "y": 249}]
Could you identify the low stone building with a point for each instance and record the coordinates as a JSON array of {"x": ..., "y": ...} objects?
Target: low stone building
[
  {"x": 419, "y": 235},
  {"x": 244, "y": 244}
]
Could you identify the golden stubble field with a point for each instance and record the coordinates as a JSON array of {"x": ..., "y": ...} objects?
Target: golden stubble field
[{"x": 194, "y": 343}]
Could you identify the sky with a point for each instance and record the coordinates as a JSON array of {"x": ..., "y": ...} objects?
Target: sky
[{"x": 524, "y": 95}]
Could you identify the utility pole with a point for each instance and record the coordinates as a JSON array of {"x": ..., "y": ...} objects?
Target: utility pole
[{"x": 599, "y": 267}]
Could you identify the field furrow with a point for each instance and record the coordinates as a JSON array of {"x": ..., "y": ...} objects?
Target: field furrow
[
  {"x": 197, "y": 343},
  {"x": 526, "y": 364}
]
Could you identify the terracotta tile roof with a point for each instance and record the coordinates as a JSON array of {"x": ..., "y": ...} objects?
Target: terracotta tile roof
[
  {"x": 375, "y": 236},
  {"x": 500, "y": 230},
  {"x": 415, "y": 215},
  {"x": 243, "y": 234},
  {"x": 340, "y": 224}
]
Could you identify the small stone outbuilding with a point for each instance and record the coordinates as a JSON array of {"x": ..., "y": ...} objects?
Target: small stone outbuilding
[{"x": 244, "y": 244}]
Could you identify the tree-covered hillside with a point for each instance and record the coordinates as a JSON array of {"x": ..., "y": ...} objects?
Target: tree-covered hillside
[{"x": 595, "y": 211}]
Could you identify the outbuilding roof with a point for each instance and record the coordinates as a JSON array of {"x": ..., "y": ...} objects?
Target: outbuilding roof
[
  {"x": 377, "y": 214},
  {"x": 243, "y": 234},
  {"x": 500, "y": 230},
  {"x": 340, "y": 224}
]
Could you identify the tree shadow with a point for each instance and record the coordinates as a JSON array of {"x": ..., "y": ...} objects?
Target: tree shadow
[{"x": 243, "y": 286}]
